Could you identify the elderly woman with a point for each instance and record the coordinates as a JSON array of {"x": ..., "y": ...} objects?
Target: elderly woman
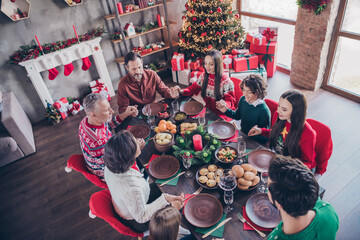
[{"x": 133, "y": 198}]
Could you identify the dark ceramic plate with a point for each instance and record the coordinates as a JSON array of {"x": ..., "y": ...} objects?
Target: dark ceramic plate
[
  {"x": 140, "y": 131},
  {"x": 260, "y": 159},
  {"x": 164, "y": 167},
  {"x": 223, "y": 130},
  {"x": 224, "y": 161},
  {"x": 192, "y": 108},
  {"x": 155, "y": 108},
  {"x": 204, "y": 184},
  {"x": 260, "y": 210},
  {"x": 203, "y": 210}
]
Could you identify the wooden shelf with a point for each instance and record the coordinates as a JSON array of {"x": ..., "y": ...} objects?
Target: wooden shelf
[
  {"x": 140, "y": 34},
  {"x": 121, "y": 60},
  {"x": 10, "y": 8},
  {"x": 112, "y": 16},
  {"x": 72, "y": 3}
]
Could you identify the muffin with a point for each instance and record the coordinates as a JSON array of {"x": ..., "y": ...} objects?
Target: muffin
[
  {"x": 212, "y": 168},
  {"x": 203, "y": 171},
  {"x": 203, "y": 179},
  {"x": 211, "y": 183}
]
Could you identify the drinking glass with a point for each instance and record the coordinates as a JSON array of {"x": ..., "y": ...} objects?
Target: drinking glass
[
  {"x": 175, "y": 106},
  {"x": 241, "y": 151},
  {"x": 187, "y": 164},
  {"x": 228, "y": 183},
  {"x": 202, "y": 120},
  {"x": 147, "y": 110},
  {"x": 152, "y": 122},
  {"x": 264, "y": 179}
]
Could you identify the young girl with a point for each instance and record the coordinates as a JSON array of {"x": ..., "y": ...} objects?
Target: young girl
[
  {"x": 290, "y": 135},
  {"x": 213, "y": 84},
  {"x": 252, "y": 110}
]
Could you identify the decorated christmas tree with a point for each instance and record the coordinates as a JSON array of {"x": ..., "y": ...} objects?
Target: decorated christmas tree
[{"x": 207, "y": 25}]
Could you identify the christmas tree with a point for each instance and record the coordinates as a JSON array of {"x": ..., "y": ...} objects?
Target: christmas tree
[{"x": 207, "y": 25}]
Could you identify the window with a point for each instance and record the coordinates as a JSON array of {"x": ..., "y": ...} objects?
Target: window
[{"x": 281, "y": 9}]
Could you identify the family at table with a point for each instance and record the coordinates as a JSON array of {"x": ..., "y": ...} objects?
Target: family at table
[{"x": 292, "y": 185}]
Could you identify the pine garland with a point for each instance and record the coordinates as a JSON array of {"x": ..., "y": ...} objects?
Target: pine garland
[{"x": 314, "y": 5}]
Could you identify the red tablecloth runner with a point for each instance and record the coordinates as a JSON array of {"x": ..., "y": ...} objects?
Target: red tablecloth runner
[
  {"x": 247, "y": 226},
  {"x": 233, "y": 138},
  {"x": 152, "y": 158}
]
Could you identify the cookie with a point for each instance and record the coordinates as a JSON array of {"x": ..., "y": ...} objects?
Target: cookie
[
  {"x": 203, "y": 171},
  {"x": 211, "y": 175},
  {"x": 203, "y": 179},
  {"x": 212, "y": 168},
  {"x": 211, "y": 183}
]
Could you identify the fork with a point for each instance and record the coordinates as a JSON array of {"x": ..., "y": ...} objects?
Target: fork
[
  {"x": 195, "y": 193},
  {"x": 242, "y": 219}
]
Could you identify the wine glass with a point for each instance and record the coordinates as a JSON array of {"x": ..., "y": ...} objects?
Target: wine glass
[
  {"x": 175, "y": 106},
  {"x": 228, "y": 183},
  {"x": 202, "y": 120},
  {"x": 241, "y": 151},
  {"x": 187, "y": 164},
  {"x": 264, "y": 179},
  {"x": 151, "y": 119}
]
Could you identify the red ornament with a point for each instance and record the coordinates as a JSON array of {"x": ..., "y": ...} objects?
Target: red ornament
[
  {"x": 183, "y": 17},
  {"x": 134, "y": 49},
  {"x": 189, "y": 29},
  {"x": 217, "y": 33},
  {"x": 205, "y": 49},
  {"x": 180, "y": 34},
  {"x": 202, "y": 23},
  {"x": 207, "y": 20},
  {"x": 187, "y": 43},
  {"x": 192, "y": 55},
  {"x": 232, "y": 32},
  {"x": 230, "y": 12},
  {"x": 237, "y": 16},
  {"x": 194, "y": 19},
  {"x": 223, "y": 32},
  {"x": 219, "y": 10},
  {"x": 192, "y": 11},
  {"x": 203, "y": 34},
  {"x": 222, "y": 21},
  {"x": 211, "y": 11},
  {"x": 96, "y": 48},
  {"x": 210, "y": 46},
  {"x": 186, "y": 6}
]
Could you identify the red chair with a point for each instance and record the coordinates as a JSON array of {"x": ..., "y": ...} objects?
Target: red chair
[
  {"x": 273, "y": 105},
  {"x": 101, "y": 206},
  {"x": 323, "y": 145},
  {"x": 77, "y": 162},
  {"x": 238, "y": 91}
]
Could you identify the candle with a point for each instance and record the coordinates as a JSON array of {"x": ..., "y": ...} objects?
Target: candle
[
  {"x": 162, "y": 21},
  {"x": 75, "y": 33},
  {"x": 38, "y": 42},
  {"x": 158, "y": 20},
  {"x": 197, "y": 140},
  {"x": 120, "y": 9}
]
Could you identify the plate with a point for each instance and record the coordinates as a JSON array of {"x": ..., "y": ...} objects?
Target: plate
[
  {"x": 140, "y": 131},
  {"x": 198, "y": 175},
  {"x": 224, "y": 161},
  {"x": 261, "y": 212},
  {"x": 155, "y": 108},
  {"x": 260, "y": 159},
  {"x": 192, "y": 108},
  {"x": 203, "y": 210},
  {"x": 164, "y": 167},
  {"x": 223, "y": 130}
]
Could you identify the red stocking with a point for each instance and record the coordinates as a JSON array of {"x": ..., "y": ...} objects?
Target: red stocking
[
  {"x": 86, "y": 63},
  {"x": 53, "y": 73},
  {"x": 68, "y": 69}
]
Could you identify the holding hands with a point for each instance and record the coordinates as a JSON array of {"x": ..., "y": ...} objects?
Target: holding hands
[
  {"x": 221, "y": 105},
  {"x": 130, "y": 111},
  {"x": 255, "y": 130},
  {"x": 141, "y": 143},
  {"x": 175, "y": 201},
  {"x": 174, "y": 92}
]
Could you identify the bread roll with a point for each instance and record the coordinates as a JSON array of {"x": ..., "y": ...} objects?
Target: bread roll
[
  {"x": 255, "y": 181},
  {"x": 249, "y": 176},
  {"x": 244, "y": 182},
  {"x": 247, "y": 167},
  {"x": 242, "y": 187},
  {"x": 239, "y": 171},
  {"x": 254, "y": 171}
]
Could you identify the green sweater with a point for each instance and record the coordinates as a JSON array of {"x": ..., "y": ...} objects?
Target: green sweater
[
  {"x": 323, "y": 227},
  {"x": 251, "y": 116}
]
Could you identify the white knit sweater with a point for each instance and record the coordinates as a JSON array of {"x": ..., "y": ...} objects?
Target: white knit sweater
[{"x": 130, "y": 193}]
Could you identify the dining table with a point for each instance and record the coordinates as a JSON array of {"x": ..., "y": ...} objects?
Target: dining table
[{"x": 234, "y": 229}]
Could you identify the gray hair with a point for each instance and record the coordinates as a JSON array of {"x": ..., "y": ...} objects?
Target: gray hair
[{"x": 91, "y": 100}]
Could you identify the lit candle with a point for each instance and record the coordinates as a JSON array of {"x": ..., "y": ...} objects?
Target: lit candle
[
  {"x": 38, "y": 43},
  {"x": 197, "y": 140},
  {"x": 159, "y": 20},
  {"x": 120, "y": 9},
  {"x": 75, "y": 33}
]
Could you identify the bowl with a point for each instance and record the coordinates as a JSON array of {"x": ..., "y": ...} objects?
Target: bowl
[
  {"x": 224, "y": 158},
  {"x": 199, "y": 174},
  {"x": 163, "y": 147},
  {"x": 180, "y": 117},
  {"x": 163, "y": 115},
  {"x": 240, "y": 171}
]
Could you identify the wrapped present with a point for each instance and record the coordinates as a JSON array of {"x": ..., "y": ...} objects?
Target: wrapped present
[
  {"x": 177, "y": 62},
  {"x": 75, "y": 107},
  {"x": 227, "y": 61},
  {"x": 183, "y": 76},
  {"x": 267, "y": 56},
  {"x": 270, "y": 33},
  {"x": 62, "y": 106},
  {"x": 98, "y": 86},
  {"x": 201, "y": 69},
  {"x": 239, "y": 51},
  {"x": 261, "y": 70},
  {"x": 201, "y": 61},
  {"x": 193, "y": 65},
  {"x": 255, "y": 38},
  {"x": 243, "y": 62},
  {"x": 195, "y": 75}
]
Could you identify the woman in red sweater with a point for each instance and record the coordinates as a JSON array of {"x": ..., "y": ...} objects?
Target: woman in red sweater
[
  {"x": 213, "y": 84},
  {"x": 290, "y": 135}
]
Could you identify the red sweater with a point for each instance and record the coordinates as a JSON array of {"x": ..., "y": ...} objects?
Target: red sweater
[
  {"x": 307, "y": 141},
  {"x": 226, "y": 91}
]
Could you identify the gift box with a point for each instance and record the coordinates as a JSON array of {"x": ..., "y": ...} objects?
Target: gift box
[
  {"x": 227, "y": 61},
  {"x": 270, "y": 33},
  {"x": 192, "y": 65},
  {"x": 75, "y": 107},
  {"x": 183, "y": 76},
  {"x": 243, "y": 62},
  {"x": 261, "y": 70},
  {"x": 201, "y": 61},
  {"x": 267, "y": 56},
  {"x": 62, "y": 106},
  {"x": 239, "y": 51},
  {"x": 195, "y": 76},
  {"x": 98, "y": 86},
  {"x": 255, "y": 38},
  {"x": 177, "y": 62}
]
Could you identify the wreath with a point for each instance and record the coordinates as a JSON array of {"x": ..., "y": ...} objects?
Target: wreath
[
  {"x": 184, "y": 146},
  {"x": 314, "y": 5}
]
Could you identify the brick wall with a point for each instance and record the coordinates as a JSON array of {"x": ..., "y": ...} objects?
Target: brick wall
[{"x": 313, "y": 34}]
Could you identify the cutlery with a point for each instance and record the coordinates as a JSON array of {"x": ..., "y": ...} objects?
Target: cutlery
[
  {"x": 244, "y": 221},
  {"x": 149, "y": 139},
  {"x": 251, "y": 151},
  {"x": 232, "y": 140},
  {"x": 172, "y": 179},
  {"x": 195, "y": 193},
  {"x": 218, "y": 226}
]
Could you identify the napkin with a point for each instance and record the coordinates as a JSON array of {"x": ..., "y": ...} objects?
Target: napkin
[
  {"x": 217, "y": 233},
  {"x": 233, "y": 138},
  {"x": 172, "y": 182},
  {"x": 152, "y": 158},
  {"x": 247, "y": 226}
]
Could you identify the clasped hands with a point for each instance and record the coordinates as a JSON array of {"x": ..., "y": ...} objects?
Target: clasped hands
[{"x": 175, "y": 201}]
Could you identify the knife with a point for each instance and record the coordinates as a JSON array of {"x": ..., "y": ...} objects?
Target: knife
[
  {"x": 171, "y": 179},
  {"x": 218, "y": 226}
]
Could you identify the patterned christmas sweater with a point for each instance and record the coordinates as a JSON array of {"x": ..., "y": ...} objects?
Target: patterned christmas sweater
[
  {"x": 226, "y": 91},
  {"x": 92, "y": 142}
]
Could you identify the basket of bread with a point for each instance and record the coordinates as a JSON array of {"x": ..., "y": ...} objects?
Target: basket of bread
[{"x": 247, "y": 176}]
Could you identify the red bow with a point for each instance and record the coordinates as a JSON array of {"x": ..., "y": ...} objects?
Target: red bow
[
  {"x": 269, "y": 34},
  {"x": 75, "y": 106},
  {"x": 98, "y": 85}
]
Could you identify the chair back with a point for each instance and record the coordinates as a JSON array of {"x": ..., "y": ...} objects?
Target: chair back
[
  {"x": 323, "y": 145},
  {"x": 237, "y": 89},
  {"x": 101, "y": 206},
  {"x": 77, "y": 162},
  {"x": 272, "y": 105}
]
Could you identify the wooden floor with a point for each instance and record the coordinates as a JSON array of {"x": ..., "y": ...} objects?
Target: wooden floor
[{"x": 39, "y": 200}]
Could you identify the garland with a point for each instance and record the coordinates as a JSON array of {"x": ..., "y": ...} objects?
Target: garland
[
  {"x": 314, "y": 5},
  {"x": 33, "y": 51}
]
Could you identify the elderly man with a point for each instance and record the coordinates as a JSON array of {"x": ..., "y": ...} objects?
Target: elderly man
[
  {"x": 294, "y": 190},
  {"x": 95, "y": 130},
  {"x": 139, "y": 86}
]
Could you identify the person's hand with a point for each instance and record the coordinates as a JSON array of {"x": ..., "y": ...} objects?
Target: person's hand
[
  {"x": 175, "y": 201},
  {"x": 178, "y": 89},
  {"x": 255, "y": 130},
  {"x": 131, "y": 111},
  {"x": 174, "y": 93},
  {"x": 221, "y": 105},
  {"x": 141, "y": 143}
]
